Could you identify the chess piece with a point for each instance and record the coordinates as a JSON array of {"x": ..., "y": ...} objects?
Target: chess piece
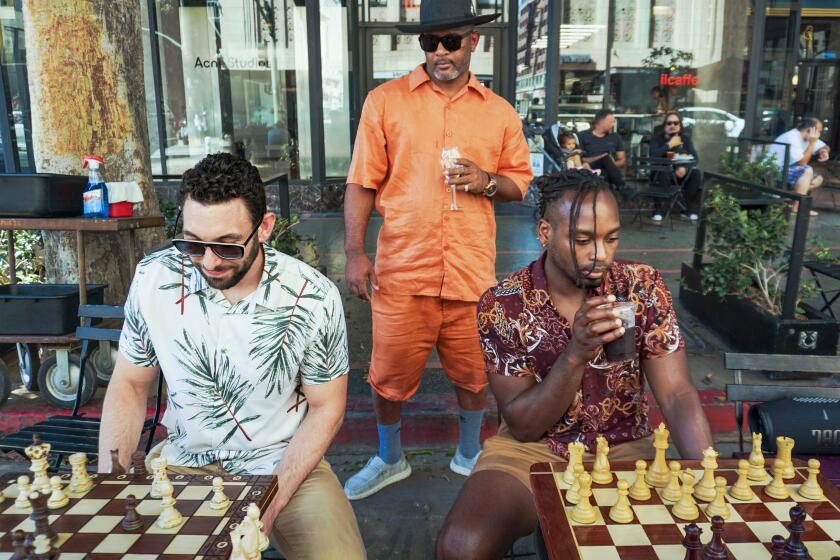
[
  {"x": 251, "y": 539},
  {"x": 19, "y": 549},
  {"x": 43, "y": 547},
  {"x": 658, "y": 474},
  {"x": 756, "y": 471},
  {"x": 131, "y": 521},
  {"x": 169, "y": 517},
  {"x": 58, "y": 499},
  {"x": 236, "y": 544},
  {"x": 692, "y": 543},
  {"x": 40, "y": 516},
  {"x": 672, "y": 491},
  {"x": 718, "y": 506},
  {"x": 38, "y": 453},
  {"x": 778, "y": 544},
  {"x": 601, "y": 473},
  {"x": 576, "y": 450},
  {"x": 621, "y": 512},
  {"x": 640, "y": 490},
  {"x": 116, "y": 466},
  {"x": 794, "y": 547},
  {"x": 138, "y": 459},
  {"x": 776, "y": 488},
  {"x": 573, "y": 493},
  {"x": 705, "y": 489},
  {"x": 220, "y": 499},
  {"x": 583, "y": 512},
  {"x": 742, "y": 490},
  {"x": 784, "y": 451},
  {"x": 159, "y": 469},
  {"x": 253, "y": 513},
  {"x": 716, "y": 550},
  {"x": 810, "y": 489},
  {"x": 686, "y": 508},
  {"x": 22, "y": 501},
  {"x": 80, "y": 481}
]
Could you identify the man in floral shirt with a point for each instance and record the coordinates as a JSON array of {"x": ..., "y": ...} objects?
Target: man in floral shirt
[
  {"x": 253, "y": 346},
  {"x": 542, "y": 335}
]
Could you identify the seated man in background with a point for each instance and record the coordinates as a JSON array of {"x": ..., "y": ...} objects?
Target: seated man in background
[
  {"x": 253, "y": 346},
  {"x": 603, "y": 148},
  {"x": 674, "y": 139},
  {"x": 805, "y": 146},
  {"x": 542, "y": 334}
]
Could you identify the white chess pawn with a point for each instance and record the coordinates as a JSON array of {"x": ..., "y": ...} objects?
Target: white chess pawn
[
  {"x": 58, "y": 499},
  {"x": 169, "y": 517},
  {"x": 810, "y": 489},
  {"x": 254, "y": 515},
  {"x": 22, "y": 501},
  {"x": 42, "y": 545},
  {"x": 220, "y": 500},
  {"x": 80, "y": 481},
  {"x": 673, "y": 491},
  {"x": 640, "y": 490}
]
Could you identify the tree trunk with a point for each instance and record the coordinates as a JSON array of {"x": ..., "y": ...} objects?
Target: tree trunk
[{"x": 85, "y": 63}]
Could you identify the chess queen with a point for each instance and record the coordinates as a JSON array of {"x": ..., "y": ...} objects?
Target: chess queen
[{"x": 543, "y": 330}]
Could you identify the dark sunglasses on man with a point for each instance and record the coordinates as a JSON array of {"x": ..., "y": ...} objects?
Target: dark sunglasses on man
[
  {"x": 451, "y": 43},
  {"x": 672, "y": 123},
  {"x": 228, "y": 251}
]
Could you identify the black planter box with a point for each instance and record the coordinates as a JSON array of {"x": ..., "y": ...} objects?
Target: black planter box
[
  {"x": 750, "y": 328},
  {"x": 43, "y": 309},
  {"x": 41, "y": 195}
]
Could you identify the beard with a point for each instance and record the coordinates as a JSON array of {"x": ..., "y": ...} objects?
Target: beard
[
  {"x": 453, "y": 73},
  {"x": 239, "y": 271}
]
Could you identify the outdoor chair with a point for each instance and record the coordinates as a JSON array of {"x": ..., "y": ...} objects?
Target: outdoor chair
[
  {"x": 741, "y": 394},
  {"x": 77, "y": 432},
  {"x": 651, "y": 168}
]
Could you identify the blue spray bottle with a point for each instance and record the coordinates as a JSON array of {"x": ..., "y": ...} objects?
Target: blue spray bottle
[{"x": 96, "y": 193}]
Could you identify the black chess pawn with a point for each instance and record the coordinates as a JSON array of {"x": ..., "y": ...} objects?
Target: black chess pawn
[
  {"x": 116, "y": 467},
  {"x": 138, "y": 459},
  {"x": 778, "y": 543},
  {"x": 794, "y": 547},
  {"x": 691, "y": 542},
  {"x": 18, "y": 545},
  {"x": 716, "y": 550},
  {"x": 131, "y": 521}
]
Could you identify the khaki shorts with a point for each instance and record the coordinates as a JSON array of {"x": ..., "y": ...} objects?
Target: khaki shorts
[
  {"x": 317, "y": 523},
  {"x": 406, "y": 328},
  {"x": 504, "y": 453}
]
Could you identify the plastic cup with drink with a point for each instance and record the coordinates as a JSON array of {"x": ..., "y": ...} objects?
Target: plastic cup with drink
[
  {"x": 624, "y": 348},
  {"x": 448, "y": 158}
]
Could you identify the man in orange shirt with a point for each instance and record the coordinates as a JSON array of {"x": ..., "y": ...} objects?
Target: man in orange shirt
[{"x": 432, "y": 263}]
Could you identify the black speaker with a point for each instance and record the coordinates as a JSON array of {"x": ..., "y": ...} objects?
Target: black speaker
[{"x": 813, "y": 423}]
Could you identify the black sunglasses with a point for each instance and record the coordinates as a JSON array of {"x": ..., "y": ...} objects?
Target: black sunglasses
[
  {"x": 227, "y": 251},
  {"x": 672, "y": 123},
  {"x": 451, "y": 43}
]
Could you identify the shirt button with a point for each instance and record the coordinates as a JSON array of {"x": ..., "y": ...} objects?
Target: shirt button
[{"x": 448, "y": 133}]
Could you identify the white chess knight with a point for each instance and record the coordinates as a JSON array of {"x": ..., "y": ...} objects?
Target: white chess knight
[
  {"x": 245, "y": 541},
  {"x": 254, "y": 515},
  {"x": 80, "y": 481},
  {"x": 220, "y": 500},
  {"x": 159, "y": 465}
]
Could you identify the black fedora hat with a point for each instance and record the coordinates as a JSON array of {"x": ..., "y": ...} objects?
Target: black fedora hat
[{"x": 436, "y": 15}]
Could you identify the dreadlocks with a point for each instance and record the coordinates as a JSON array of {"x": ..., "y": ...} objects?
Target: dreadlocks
[{"x": 583, "y": 183}]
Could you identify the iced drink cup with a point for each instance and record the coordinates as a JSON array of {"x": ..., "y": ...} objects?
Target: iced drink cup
[{"x": 623, "y": 348}]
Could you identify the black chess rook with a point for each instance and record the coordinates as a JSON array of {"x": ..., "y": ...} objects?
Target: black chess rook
[{"x": 138, "y": 459}]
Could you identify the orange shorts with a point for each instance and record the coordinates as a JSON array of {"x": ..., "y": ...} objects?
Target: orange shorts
[{"x": 406, "y": 328}]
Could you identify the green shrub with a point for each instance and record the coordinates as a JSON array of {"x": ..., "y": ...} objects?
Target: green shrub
[{"x": 29, "y": 257}]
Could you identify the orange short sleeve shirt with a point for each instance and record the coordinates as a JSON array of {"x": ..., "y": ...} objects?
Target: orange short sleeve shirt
[{"x": 423, "y": 247}]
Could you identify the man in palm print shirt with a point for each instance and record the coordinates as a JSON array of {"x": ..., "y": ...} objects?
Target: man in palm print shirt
[
  {"x": 253, "y": 347},
  {"x": 542, "y": 337}
]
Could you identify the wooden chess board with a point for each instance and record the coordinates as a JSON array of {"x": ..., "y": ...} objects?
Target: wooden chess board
[
  {"x": 91, "y": 522},
  {"x": 656, "y": 534}
]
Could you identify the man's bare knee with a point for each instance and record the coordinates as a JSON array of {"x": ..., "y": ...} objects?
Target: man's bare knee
[
  {"x": 458, "y": 540},
  {"x": 816, "y": 182}
]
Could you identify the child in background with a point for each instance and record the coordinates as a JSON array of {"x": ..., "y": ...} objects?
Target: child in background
[{"x": 568, "y": 145}]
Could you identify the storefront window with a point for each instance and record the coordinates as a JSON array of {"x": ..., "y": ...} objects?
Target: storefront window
[
  {"x": 235, "y": 80},
  {"x": 335, "y": 67},
  {"x": 16, "y": 90}
]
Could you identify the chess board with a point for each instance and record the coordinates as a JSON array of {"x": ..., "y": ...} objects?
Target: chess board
[
  {"x": 656, "y": 534},
  {"x": 91, "y": 522}
]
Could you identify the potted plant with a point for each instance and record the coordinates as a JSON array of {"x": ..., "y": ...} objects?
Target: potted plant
[{"x": 739, "y": 290}]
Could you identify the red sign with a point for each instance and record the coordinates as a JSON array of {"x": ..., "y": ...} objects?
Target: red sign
[{"x": 686, "y": 79}]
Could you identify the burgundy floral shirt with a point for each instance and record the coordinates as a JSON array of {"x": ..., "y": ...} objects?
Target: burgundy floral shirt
[{"x": 522, "y": 334}]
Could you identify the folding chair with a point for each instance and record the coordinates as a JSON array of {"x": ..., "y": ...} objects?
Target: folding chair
[
  {"x": 652, "y": 167},
  {"x": 77, "y": 432}
]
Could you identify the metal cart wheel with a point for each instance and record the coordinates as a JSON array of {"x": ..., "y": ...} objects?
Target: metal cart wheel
[
  {"x": 5, "y": 382},
  {"x": 58, "y": 376},
  {"x": 28, "y": 363},
  {"x": 102, "y": 359}
]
